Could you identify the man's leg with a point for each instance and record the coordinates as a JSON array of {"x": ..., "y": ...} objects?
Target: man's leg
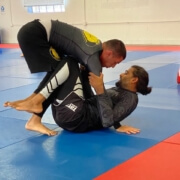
[
  {"x": 34, "y": 123},
  {"x": 38, "y": 53},
  {"x": 73, "y": 84},
  {"x": 88, "y": 93},
  {"x": 68, "y": 105},
  {"x": 58, "y": 77},
  {"x": 14, "y": 104}
]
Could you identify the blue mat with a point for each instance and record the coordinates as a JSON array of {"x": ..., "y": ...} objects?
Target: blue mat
[
  {"x": 164, "y": 77},
  {"x": 13, "y": 131},
  {"x": 156, "y": 124},
  {"x": 9, "y": 83},
  {"x": 16, "y": 93},
  {"x": 136, "y": 55},
  {"x": 69, "y": 156}
]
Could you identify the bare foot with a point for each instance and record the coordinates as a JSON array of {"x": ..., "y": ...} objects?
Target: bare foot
[
  {"x": 6, "y": 104},
  {"x": 29, "y": 106},
  {"x": 34, "y": 124},
  {"x": 33, "y": 105},
  {"x": 13, "y": 104}
]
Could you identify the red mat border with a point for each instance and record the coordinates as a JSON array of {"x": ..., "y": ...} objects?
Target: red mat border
[
  {"x": 152, "y": 48},
  {"x": 129, "y": 47},
  {"x": 4, "y": 46},
  {"x": 163, "y": 166}
]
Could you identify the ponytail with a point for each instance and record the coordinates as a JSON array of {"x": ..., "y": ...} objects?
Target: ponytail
[{"x": 143, "y": 80}]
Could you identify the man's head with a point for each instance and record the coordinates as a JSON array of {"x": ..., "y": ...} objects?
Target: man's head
[
  {"x": 114, "y": 51},
  {"x": 135, "y": 79}
]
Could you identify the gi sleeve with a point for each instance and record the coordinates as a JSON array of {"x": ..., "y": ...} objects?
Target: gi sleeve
[
  {"x": 105, "y": 108},
  {"x": 94, "y": 64},
  {"x": 112, "y": 113}
]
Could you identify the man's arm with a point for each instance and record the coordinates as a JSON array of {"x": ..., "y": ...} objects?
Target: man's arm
[
  {"x": 110, "y": 114},
  {"x": 97, "y": 83},
  {"x": 94, "y": 64},
  {"x": 105, "y": 106}
]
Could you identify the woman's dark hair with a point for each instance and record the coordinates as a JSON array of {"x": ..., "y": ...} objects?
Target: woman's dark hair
[
  {"x": 143, "y": 80},
  {"x": 117, "y": 46}
]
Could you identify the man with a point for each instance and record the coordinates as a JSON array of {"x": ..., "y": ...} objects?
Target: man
[
  {"x": 36, "y": 40},
  {"x": 39, "y": 40},
  {"x": 77, "y": 111}
]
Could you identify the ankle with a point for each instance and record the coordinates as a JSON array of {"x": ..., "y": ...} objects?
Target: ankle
[
  {"x": 28, "y": 126},
  {"x": 38, "y": 99}
]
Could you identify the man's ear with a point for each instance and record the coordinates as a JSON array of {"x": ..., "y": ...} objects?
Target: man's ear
[
  {"x": 108, "y": 52},
  {"x": 134, "y": 79}
]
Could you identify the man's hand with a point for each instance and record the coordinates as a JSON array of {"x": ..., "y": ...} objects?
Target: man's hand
[
  {"x": 128, "y": 129},
  {"x": 97, "y": 82}
]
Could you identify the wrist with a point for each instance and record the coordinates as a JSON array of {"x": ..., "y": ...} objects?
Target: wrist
[{"x": 99, "y": 90}]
